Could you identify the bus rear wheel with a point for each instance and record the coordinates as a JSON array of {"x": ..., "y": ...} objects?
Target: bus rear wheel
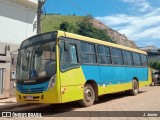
[
  {"x": 135, "y": 88},
  {"x": 88, "y": 96}
]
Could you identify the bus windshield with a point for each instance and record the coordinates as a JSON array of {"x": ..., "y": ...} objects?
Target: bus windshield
[{"x": 36, "y": 60}]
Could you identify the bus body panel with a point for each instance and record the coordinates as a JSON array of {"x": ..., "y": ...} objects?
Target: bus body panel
[
  {"x": 72, "y": 84},
  {"x": 115, "y": 79},
  {"x": 91, "y": 72}
]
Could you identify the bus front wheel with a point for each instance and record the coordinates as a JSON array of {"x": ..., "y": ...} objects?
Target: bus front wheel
[
  {"x": 135, "y": 88},
  {"x": 88, "y": 96}
]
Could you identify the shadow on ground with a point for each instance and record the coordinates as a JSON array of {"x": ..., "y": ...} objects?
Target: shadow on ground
[{"x": 63, "y": 109}]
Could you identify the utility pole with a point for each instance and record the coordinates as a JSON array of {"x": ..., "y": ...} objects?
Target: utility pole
[{"x": 39, "y": 13}]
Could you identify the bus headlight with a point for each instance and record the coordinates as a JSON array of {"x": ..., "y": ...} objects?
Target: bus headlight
[{"x": 52, "y": 82}]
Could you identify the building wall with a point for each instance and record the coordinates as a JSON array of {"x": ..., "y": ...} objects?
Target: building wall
[
  {"x": 17, "y": 21},
  {"x": 34, "y": 1}
]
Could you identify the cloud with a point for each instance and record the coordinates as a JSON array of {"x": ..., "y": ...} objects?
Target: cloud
[
  {"x": 116, "y": 19},
  {"x": 137, "y": 28},
  {"x": 142, "y": 5}
]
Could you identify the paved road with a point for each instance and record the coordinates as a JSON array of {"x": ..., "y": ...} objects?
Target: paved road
[{"x": 147, "y": 100}]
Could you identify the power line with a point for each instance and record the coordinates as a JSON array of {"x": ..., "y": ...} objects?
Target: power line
[{"x": 77, "y": 7}]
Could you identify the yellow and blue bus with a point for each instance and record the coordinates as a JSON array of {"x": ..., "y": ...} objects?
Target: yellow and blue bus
[{"x": 60, "y": 67}]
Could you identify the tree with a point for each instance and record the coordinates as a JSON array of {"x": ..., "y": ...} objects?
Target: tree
[
  {"x": 64, "y": 26},
  {"x": 155, "y": 65},
  {"x": 86, "y": 28}
]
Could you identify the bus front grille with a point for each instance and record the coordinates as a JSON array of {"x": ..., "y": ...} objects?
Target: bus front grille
[{"x": 32, "y": 90}]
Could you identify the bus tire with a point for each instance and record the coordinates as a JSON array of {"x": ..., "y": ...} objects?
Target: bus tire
[
  {"x": 88, "y": 96},
  {"x": 135, "y": 88}
]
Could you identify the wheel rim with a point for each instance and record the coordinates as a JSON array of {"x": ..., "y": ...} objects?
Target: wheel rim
[{"x": 88, "y": 95}]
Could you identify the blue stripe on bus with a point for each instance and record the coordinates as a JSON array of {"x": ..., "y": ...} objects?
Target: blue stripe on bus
[{"x": 114, "y": 74}]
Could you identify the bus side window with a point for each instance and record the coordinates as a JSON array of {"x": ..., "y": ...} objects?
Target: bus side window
[
  {"x": 104, "y": 55},
  {"x": 117, "y": 56},
  {"x": 88, "y": 53},
  {"x": 69, "y": 57},
  {"x": 144, "y": 60},
  {"x": 136, "y": 59},
  {"x": 128, "y": 60}
]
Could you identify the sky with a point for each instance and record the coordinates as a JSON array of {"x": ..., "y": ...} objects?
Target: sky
[{"x": 139, "y": 20}]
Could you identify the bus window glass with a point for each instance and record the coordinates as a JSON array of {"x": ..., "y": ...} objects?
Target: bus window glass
[
  {"x": 104, "y": 55},
  {"x": 128, "y": 60},
  {"x": 117, "y": 56},
  {"x": 84, "y": 47},
  {"x": 144, "y": 60},
  {"x": 88, "y": 53},
  {"x": 102, "y": 59},
  {"x": 107, "y": 51},
  {"x": 137, "y": 60},
  {"x": 85, "y": 58},
  {"x": 69, "y": 58},
  {"x": 101, "y": 50},
  {"x": 73, "y": 54},
  {"x": 116, "y": 52}
]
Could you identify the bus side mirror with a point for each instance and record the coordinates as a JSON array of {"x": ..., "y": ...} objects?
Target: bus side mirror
[{"x": 66, "y": 46}]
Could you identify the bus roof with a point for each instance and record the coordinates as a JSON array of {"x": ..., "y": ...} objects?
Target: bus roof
[{"x": 102, "y": 42}]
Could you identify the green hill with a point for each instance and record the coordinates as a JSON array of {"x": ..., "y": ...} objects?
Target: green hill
[
  {"x": 74, "y": 24},
  {"x": 52, "y": 22}
]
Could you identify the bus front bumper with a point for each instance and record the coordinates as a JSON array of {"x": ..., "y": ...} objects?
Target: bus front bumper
[{"x": 49, "y": 96}]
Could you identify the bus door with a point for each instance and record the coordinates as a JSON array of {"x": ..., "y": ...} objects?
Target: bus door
[{"x": 71, "y": 75}]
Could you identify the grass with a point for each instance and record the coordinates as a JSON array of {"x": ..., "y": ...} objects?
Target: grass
[{"x": 52, "y": 22}]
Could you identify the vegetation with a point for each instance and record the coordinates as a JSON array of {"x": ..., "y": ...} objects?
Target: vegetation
[
  {"x": 85, "y": 28},
  {"x": 75, "y": 24},
  {"x": 155, "y": 65},
  {"x": 64, "y": 26},
  {"x": 52, "y": 22}
]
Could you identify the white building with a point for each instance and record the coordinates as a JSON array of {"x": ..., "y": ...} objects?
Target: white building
[
  {"x": 148, "y": 48},
  {"x": 17, "y": 20}
]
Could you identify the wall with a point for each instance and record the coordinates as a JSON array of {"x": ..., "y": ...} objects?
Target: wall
[
  {"x": 5, "y": 73},
  {"x": 17, "y": 22}
]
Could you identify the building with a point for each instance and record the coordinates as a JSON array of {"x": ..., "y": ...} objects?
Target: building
[
  {"x": 153, "y": 53},
  {"x": 18, "y": 21},
  {"x": 149, "y": 48}
]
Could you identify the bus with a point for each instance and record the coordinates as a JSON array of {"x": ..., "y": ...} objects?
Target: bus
[{"x": 59, "y": 67}]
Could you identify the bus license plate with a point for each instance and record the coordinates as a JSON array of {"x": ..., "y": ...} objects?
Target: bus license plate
[{"x": 29, "y": 97}]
